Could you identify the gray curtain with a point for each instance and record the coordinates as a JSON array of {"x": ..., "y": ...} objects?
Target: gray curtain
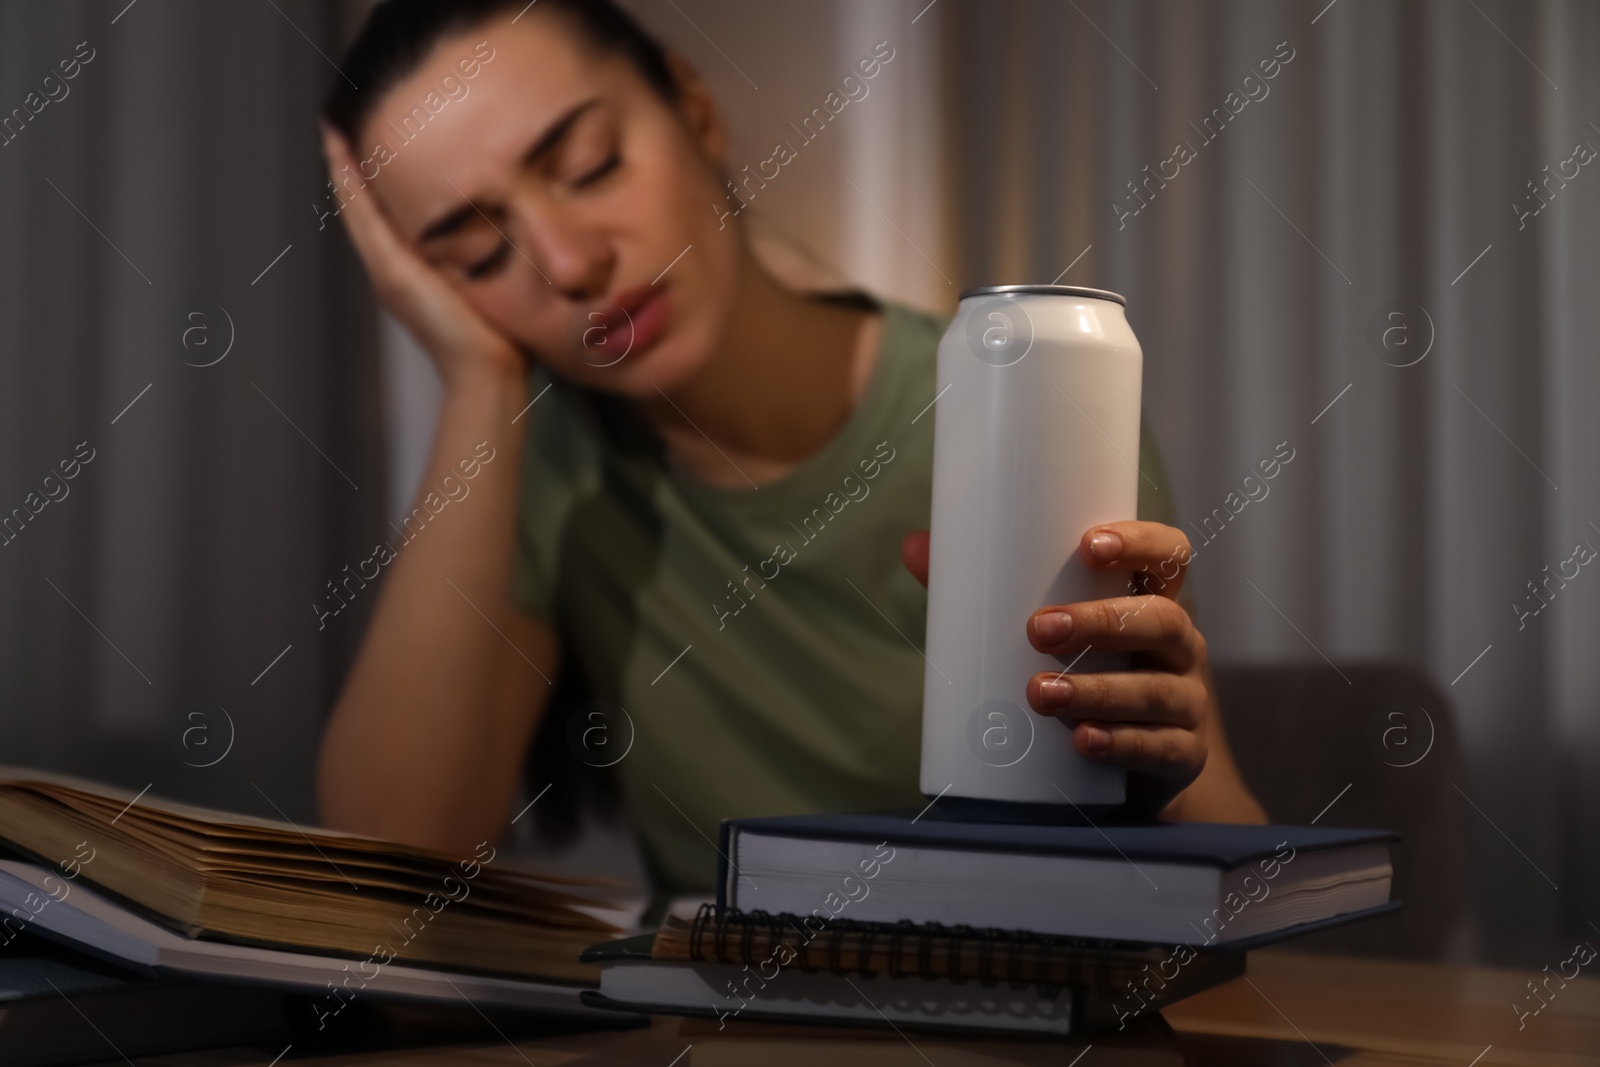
[
  {"x": 159, "y": 207},
  {"x": 1376, "y": 175},
  {"x": 1366, "y": 178}
]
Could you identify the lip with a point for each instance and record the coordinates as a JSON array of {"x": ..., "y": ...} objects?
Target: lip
[
  {"x": 625, "y": 305},
  {"x": 642, "y": 312}
]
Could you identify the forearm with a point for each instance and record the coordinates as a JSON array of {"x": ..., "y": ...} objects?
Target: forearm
[
  {"x": 1219, "y": 794},
  {"x": 419, "y": 748}
]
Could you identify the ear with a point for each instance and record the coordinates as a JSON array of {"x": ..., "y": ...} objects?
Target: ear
[{"x": 698, "y": 109}]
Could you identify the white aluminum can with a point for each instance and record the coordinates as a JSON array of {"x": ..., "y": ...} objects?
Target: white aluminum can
[{"x": 1036, "y": 439}]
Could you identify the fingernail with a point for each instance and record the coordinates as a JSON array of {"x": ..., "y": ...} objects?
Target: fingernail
[
  {"x": 1105, "y": 547},
  {"x": 1095, "y": 739},
  {"x": 1055, "y": 692},
  {"x": 1056, "y": 626}
]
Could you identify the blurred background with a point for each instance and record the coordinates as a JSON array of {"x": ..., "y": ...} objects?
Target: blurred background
[{"x": 1360, "y": 230}]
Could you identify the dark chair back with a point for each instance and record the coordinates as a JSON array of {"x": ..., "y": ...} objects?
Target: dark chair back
[{"x": 1302, "y": 733}]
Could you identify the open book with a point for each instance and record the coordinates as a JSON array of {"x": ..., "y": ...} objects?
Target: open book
[{"x": 235, "y": 878}]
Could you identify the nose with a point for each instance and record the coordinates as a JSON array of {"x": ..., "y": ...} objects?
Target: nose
[{"x": 574, "y": 257}]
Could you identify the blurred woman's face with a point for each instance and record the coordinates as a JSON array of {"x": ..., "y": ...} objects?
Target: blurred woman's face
[{"x": 574, "y": 207}]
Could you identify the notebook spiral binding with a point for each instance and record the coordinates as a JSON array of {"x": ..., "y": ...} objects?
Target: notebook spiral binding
[{"x": 1015, "y": 957}]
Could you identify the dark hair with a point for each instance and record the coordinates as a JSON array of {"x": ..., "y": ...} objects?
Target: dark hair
[{"x": 399, "y": 34}]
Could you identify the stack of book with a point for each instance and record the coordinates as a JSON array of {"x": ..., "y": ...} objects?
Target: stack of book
[
  {"x": 129, "y": 915},
  {"x": 926, "y": 923}
]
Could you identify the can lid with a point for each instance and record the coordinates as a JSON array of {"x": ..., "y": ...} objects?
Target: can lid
[{"x": 1045, "y": 290}]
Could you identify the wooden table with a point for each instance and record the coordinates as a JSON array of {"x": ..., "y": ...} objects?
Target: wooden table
[
  {"x": 1290, "y": 1009},
  {"x": 1399, "y": 1012}
]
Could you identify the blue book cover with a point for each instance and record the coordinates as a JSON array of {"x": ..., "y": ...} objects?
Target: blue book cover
[{"x": 1220, "y": 845}]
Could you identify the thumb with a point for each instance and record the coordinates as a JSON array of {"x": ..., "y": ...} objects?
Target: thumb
[{"x": 914, "y": 552}]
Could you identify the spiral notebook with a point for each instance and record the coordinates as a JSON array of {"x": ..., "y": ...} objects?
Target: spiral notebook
[{"x": 732, "y": 966}]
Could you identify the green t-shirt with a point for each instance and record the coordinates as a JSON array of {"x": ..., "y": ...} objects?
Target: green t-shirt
[{"x": 801, "y": 686}]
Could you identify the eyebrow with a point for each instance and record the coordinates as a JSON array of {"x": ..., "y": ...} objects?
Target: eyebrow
[{"x": 542, "y": 146}]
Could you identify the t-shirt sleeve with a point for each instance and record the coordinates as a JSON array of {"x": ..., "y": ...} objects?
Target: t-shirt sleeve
[
  {"x": 1157, "y": 502},
  {"x": 553, "y": 449},
  {"x": 1157, "y": 498}
]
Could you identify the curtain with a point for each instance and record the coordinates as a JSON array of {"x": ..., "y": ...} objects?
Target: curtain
[
  {"x": 1363, "y": 257},
  {"x": 188, "y": 418},
  {"x": 1411, "y": 158}
]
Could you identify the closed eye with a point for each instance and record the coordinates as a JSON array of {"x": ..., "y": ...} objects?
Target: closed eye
[
  {"x": 490, "y": 263},
  {"x": 609, "y": 164}
]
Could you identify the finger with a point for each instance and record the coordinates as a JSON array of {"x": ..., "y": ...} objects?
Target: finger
[
  {"x": 394, "y": 267},
  {"x": 914, "y": 553},
  {"x": 410, "y": 287},
  {"x": 333, "y": 145},
  {"x": 1145, "y": 698},
  {"x": 1173, "y": 755},
  {"x": 341, "y": 165},
  {"x": 1153, "y": 625},
  {"x": 1157, "y": 556},
  {"x": 391, "y": 262}
]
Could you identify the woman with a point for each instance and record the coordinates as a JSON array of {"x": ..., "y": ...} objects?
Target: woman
[{"x": 538, "y": 194}]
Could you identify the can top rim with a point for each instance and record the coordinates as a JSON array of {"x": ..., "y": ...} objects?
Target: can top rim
[{"x": 1044, "y": 290}]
